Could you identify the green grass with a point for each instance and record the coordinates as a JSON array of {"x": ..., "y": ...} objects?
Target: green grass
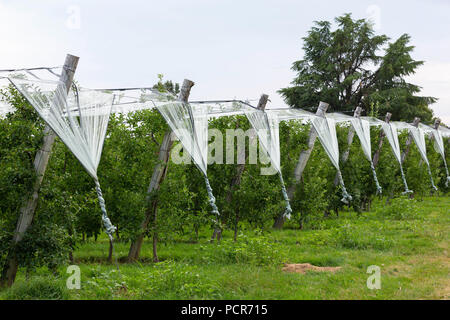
[{"x": 408, "y": 240}]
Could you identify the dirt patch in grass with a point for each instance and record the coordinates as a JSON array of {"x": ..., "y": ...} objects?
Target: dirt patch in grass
[{"x": 305, "y": 267}]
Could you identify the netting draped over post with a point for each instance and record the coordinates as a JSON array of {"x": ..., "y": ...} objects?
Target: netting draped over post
[
  {"x": 326, "y": 131},
  {"x": 362, "y": 129},
  {"x": 80, "y": 120},
  {"x": 438, "y": 143},
  {"x": 419, "y": 138},
  {"x": 190, "y": 124},
  {"x": 53, "y": 73},
  {"x": 267, "y": 128},
  {"x": 390, "y": 130}
]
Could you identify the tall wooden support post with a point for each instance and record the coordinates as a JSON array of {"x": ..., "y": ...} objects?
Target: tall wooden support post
[
  {"x": 159, "y": 173},
  {"x": 236, "y": 181},
  {"x": 27, "y": 211},
  {"x": 302, "y": 161},
  {"x": 376, "y": 156},
  {"x": 350, "y": 136},
  {"x": 409, "y": 140},
  {"x": 437, "y": 123}
]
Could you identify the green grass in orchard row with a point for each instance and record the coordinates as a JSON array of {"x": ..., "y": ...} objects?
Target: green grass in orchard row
[{"x": 408, "y": 240}]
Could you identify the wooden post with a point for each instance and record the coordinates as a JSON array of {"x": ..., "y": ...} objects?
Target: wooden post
[
  {"x": 376, "y": 157},
  {"x": 159, "y": 173},
  {"x": 28, "y": 209},
  {"x": 350, "y": 136},
  {"x": 236, "y": 181},
  {"x": 437, "y": 123},
  {"x": 409, "y": 140},
  {"x": 302, "y": 161}
]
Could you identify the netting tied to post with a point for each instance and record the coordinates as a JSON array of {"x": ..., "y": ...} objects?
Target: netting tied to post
[{"x": 79, "y": 119}]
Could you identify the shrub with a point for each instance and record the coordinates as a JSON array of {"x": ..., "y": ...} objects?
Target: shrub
[
  {"x": 166, "y": 280},
  {"x": 359, "y": 237},
  {"x": 399, "y": 209},
  {"x": 37, "y": 289},
  {"x": 256, "y": 250}
]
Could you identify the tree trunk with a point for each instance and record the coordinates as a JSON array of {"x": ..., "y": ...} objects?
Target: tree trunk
[
  {"x": 28, "y": 209},
  {"x": 409, "y": 140},
  {"x": 159, "y": 173},
  {"x": 110, "y": 251},
  {"x": 236, "y": 226},
  {"x": 301, "y": 164},
  {"x": 350, "y": 136},
  {"x": 376, "y": 157}
]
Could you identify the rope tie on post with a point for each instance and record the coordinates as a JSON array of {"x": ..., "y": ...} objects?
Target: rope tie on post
[
  {"x": 288, "y": 210},
  {"x": 346, "y": 196},
  {"x": 212, "y": 199},
  {"x": 379, "y": 189},
  {"x": 404, "y": 181},
  {"x": 109, "y": 227}
]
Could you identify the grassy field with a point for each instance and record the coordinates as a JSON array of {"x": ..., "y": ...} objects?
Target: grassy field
[{"x": 408, "y": 240}]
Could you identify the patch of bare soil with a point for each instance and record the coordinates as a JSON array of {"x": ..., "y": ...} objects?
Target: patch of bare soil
[{"x": 304, "y": 267}]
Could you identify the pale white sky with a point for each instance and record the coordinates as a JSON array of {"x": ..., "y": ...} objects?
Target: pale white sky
[{"x": 231, "y": 49}]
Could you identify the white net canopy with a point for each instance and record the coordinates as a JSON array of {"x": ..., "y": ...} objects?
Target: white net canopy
[
  {"x": 189, "y": 122},
  {"x": 418, "y": 136},
  {"x": 131, "y": 100},
  {"x": 361, "y": 127},
  {"x": 391, "y": 133},
  {"x": 438, "y": 140},
  {"x": 266, "y": 125},
  {"x": 326, "y": 131},
  {"x": 78, "y": 118},
  {"x": 325, "y": 128},
  {"x": 33, "y": 73}
]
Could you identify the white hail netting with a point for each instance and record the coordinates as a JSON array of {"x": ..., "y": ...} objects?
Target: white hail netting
[
  {"x": 78, "y": 118},
  {"x": 438, "y": 143},
  {"x": 190, "y": 125},
  {"x": 37, "y": 73},
  {"x": 419, "y": 139},
  {"x": 131, "y": 100},
  {"x": 267, "y": 128},
  {"x": 326, "y": 132},
  {"x": 362, "y": 129},
  {"x": 390, "y": 131}
]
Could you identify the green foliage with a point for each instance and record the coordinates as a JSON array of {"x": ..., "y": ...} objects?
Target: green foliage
[
  {"x": 344, "y": 68},
  {"x": 400, "y": 209},
  {"x": 351, "y": 237},
  {"x": 254, "y": 250},
  {"x": 165, "y": 280},
  {"x": 38, "y": 288},
  {"x": 409, "y": 252}
]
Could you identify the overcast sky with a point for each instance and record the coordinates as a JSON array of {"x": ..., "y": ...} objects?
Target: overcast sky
[{"x": 230, "y": 49}]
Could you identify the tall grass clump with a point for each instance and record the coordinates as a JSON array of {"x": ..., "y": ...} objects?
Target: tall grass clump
[
  {"x": 400, "y": 208},
  {"x": 39, "y": 288}
]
